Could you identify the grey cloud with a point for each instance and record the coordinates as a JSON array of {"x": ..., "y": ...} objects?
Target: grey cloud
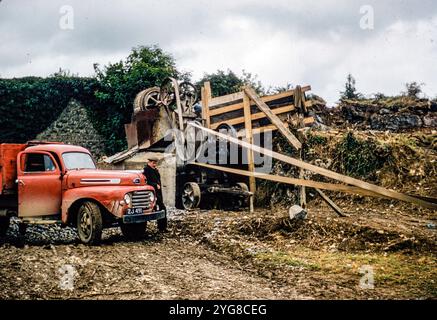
[
  {"x": 99, "y": 27},
  {"x": 105, "y": 30},
  {"x": 314, "y": 19}
]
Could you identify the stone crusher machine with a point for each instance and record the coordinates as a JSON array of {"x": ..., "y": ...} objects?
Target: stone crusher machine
[
  {"x": 159, "y": 127},
  {"x": 169, "y": 119}
]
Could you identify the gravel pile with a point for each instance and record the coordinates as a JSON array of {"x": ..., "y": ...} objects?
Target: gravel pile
[
  {"x": 175, "y": 214},
  {"x": 56, "y": 234},
  {"x": 41, "y": 234}
]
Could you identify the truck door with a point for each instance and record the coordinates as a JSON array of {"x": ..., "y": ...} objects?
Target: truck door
[{"x": 39, "y": 184}]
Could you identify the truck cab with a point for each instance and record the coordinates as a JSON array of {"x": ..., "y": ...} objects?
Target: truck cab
[{"x": 44, "y": 183}]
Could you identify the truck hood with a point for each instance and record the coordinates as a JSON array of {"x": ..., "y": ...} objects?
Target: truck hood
[{"x": 88, "y": 177}]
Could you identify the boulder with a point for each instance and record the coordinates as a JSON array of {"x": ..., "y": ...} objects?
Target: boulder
[{"x": 395, "y": 122}]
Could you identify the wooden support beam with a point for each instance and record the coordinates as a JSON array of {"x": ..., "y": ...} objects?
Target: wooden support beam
[
  {"x": 226, "y": 109},
  {"x": 178, "y": 104},
  {"x": 206, "y": 98},
  {"x": 293, "y": 181},
  {"x": 273, "y": 117},
  {"x": 239, "y": 96},
  {"x": 300, "y": 124},
  {"x": 270, "y": 127},
  {"x": 330, "y": 203},
  {"x": 255, "y": 116},
  {"x": 226, "y": 99},
  {"x": 324, "y": 172},
  {"x": 249, "y": 139},
  {"x": 239, "y": 106}
]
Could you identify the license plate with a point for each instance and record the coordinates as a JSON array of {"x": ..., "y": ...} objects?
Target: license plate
[{"x": 134, "y": 211}]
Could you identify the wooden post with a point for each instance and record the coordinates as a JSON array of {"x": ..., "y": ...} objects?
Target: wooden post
[
  {"x": 272, "y": 117},
  {"x": 249, "y": 139},
  {"x": 178, "y": 104},
  {"x": 331, "y": 203},
  {"x": 299, "y": 103},
  {"x": 206, "y": 98}
]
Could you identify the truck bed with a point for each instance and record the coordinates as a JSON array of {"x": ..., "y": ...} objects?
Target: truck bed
[{"x": 8, "y": 167}]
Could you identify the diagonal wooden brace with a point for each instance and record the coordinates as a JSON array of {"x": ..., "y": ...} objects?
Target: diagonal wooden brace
[{"x": 322, "y": 171}]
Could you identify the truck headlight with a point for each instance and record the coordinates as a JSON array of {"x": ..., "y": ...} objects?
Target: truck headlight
[
  {"x": 152, "y": 197},
  {"x": 128, "y": 198}
]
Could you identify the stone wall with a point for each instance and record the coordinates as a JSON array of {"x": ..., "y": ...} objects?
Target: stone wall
[
  {"x": 395, "y": 114},
  {"x": 74, "y": 126}
]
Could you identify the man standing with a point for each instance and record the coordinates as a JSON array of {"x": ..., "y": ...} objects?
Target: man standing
[{"x": 153, "y": 178}]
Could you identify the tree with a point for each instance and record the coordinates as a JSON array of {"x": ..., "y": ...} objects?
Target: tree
[
  {"x": 379, "y": 96},
  {"x": 145, "y": 67},
  {"x": 223, "y": 83},
  {"x": 413, "y": 89},
  {"x": 64, "y": 73},
  {"x": 350, "y": 91},
  {"x": 279, "y": 89}
]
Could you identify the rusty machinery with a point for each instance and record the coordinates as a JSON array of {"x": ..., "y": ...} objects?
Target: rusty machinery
[
  {"x": 157, "y": 110},
  {"x": 172, "y": 106}
]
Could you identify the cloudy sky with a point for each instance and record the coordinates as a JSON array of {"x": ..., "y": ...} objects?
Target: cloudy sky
[{"x": 383, "y": 44}]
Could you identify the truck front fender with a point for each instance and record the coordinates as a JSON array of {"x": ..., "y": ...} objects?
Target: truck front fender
[{"x": 109, "y": 197}]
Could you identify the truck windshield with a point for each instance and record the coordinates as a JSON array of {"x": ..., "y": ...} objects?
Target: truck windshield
[{"x": 78, "y": 160}]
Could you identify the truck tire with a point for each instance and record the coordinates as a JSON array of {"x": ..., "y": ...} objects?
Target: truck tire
[
  {"x": 162, "y": 224},
  {"x": 4, "y": 225},
  {"x": 22, "y": 228},
  {"x": 134, "y": 231},
  {"x": 191, "y": 195},
  {"x": 89, "y": 223}
]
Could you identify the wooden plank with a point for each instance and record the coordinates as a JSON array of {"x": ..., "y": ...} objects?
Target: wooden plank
[
  {"x": 300, "y": 124},
  {"x": 178, "y": 104},
  {"x": 255, "y": 116},
  {"x": 284, "y": 94},
  {"x": 273, "y": 117},
  {"x": 249, "y": 139},
  {"x": 429, "y": 199},
  {"x": 270, "y": 127},
  {"x": 226, "y": 99},
  {"x": 293, "y": 181},
  {"x": 239, "y": 106},
  {"x": 239, "y": 96},
  {"x": 330, "y": 203},
  {"x": 206, "y": 99},
  {"x": 204, "y": 105},
  {"x": 226, "y": 109},
  {"x": 306, "y": 121},
  {"x": 324, "y": 172}
]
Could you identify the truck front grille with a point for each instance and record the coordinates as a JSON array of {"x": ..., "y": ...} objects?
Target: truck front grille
[{"x": 141, "y": 199}]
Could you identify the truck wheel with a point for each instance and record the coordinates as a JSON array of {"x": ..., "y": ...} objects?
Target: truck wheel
[
  {"x": 89, "y": 223},
  {"x": 162, "y": 224},
  {"x": 4, "y": 225},
  {"x": 22, "y": 228},
  {"x": 134, "y": 231},
  {"x": 191, "y": 195}
]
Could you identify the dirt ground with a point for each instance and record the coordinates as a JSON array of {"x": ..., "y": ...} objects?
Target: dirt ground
[{"x": 372, "y": 254}]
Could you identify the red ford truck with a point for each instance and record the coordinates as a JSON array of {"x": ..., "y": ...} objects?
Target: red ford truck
[{"x": 43, "y": 183}]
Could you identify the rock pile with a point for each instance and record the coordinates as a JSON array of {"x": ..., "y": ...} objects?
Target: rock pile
[{"x": 394, "y": 114}]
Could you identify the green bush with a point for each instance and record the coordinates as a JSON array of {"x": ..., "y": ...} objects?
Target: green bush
[
  {"x": 29, "y": 105},
  {"x": 361, "y": 158},
  {"x": 120, "y": 82}
]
